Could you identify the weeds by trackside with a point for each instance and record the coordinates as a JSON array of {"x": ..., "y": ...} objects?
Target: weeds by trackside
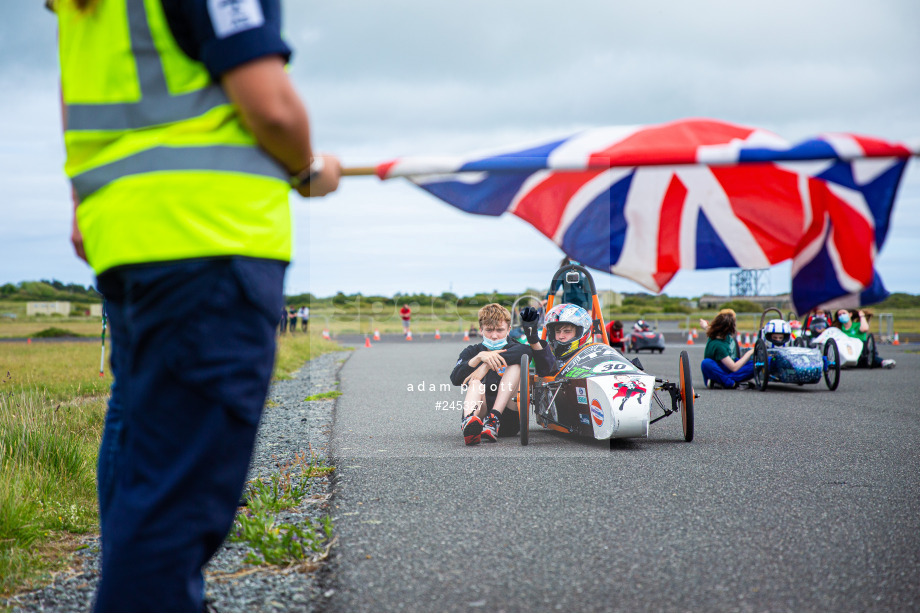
[
  {"x": 332, "y": 394},
  {"x": 273, "y": 541}
]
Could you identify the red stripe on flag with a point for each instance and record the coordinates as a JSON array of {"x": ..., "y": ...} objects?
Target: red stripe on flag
[
  {"x": 852, "y": 234},
  {"x": 384, "y": 169},
  {"x": 544, "y": 204},
  {"x": 669, "y": 232},
  {"x": 879, "y": 148},
  {"x": 767, "y": 200},
  {"x": 673, "y": 143}
]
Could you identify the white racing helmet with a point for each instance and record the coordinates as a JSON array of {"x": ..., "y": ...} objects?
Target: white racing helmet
[
  {"x": 777, "y": 327},
  {"x": 568, "y": 313}
]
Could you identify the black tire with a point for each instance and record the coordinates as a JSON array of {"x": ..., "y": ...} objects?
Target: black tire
[
  {"x": 832, "y": 366},
  {"x": 685, "y": 383},
  {"x": 761, "y": 364},
  {"x": 869, "y": 351},
  {"x": 524, "y": 399}
]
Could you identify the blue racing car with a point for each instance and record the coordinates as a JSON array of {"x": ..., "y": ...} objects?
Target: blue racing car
[{"x": 777, "y": 360}]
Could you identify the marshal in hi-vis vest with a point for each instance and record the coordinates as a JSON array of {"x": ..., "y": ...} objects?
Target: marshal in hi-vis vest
[{"x": 162, "y": 165}]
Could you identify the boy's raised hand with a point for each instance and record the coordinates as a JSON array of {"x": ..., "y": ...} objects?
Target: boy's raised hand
[{"x": 530, "y": 319}]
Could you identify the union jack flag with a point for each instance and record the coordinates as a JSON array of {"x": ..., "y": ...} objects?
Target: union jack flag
[{"x": 644, "y": 202}]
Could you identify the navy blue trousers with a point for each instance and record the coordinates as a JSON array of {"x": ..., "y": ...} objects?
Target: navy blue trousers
[
  {"x": 717, "y": 372},
  {"x": 193, "y": 348}
]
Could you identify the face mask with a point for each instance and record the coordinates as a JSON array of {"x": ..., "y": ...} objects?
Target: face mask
[
  {"x": 495, "y": 345},
  {"x": 844, "y": 318}
]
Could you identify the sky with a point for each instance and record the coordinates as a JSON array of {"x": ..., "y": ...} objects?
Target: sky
[{"x": 422, "y": 77}]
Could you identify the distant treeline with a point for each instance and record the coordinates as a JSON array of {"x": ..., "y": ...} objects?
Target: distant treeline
[
  {"x": 448, "y": 302},
  {"x": 640, "y": 302},
  {"x": 49, "y": 290}
]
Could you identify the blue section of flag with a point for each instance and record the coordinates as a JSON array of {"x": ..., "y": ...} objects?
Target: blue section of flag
[{"x": 711, "y": 252}]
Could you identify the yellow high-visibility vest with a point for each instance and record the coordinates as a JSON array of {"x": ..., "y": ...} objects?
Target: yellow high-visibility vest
[{"x": 162, "y": 165}]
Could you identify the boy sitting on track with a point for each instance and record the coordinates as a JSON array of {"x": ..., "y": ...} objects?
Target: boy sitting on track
[{"x": 491, "y": 372}]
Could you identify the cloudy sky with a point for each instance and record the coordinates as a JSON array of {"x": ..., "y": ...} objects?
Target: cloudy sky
[{"x": 414, "y": 77}]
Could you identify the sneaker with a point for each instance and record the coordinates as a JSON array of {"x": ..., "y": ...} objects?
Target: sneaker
[
  {"x": 471, "y": 427},
  {"x": 490, "y": 428},
  {"x": 888, "y": 363}
]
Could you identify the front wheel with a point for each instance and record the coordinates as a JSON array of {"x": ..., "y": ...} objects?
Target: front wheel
[
  {"x": 685, "y": 381},
  {"x": 831, "y": 364},
  {"x": 761, "y": 364},
  {"x": 524, "y": 399}
]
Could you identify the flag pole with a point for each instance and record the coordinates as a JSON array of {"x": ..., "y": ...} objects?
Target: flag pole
[{"x": 359, "y": 171}]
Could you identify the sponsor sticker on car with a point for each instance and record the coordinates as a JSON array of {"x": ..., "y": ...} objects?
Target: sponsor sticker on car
[
  {"x": 581, "y": 395},
  {"x": 597, "y": 414}
]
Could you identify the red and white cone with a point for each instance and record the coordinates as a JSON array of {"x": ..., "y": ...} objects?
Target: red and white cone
[
  {"x": 408, "y": 335},
  {"x": 376, "y": 335},
  {"x": 326, "y": 334},
  {"x": 367, "y": 341},
  {"x": 437, "y": 334},
  {"x": 466, "y": 335},
  {"x": 896, "y": 341},
  {"x": 689, "y": 338}
]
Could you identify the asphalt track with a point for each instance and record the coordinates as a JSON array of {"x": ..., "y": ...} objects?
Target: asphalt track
[{"x": 793, "y": 499}]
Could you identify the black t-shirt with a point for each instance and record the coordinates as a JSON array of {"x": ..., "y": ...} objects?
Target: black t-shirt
[
  {"x": 227, "y": 34},
  {"x": 544, "y": 361}
]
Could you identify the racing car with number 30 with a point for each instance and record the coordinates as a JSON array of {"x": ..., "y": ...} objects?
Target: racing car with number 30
[{"x": 598, "y": 392}]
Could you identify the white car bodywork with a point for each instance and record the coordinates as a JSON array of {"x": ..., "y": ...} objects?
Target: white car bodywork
[{"x": 850, "y": 347}]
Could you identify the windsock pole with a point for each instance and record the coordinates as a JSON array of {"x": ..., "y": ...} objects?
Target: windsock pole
[{"x": 102, "y": 356}]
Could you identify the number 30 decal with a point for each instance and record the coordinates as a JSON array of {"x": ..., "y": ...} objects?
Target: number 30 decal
[{"x": 610, "y": 367}]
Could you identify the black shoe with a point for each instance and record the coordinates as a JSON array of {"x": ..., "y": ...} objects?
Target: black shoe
[{"x": 471, "y": 427}]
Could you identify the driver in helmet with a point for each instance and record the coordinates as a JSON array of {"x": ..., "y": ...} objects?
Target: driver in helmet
[
  {"x": 641, "y": 326},
  {"x": 777, "y": 333},
  {"x": 568, "y": 327}
]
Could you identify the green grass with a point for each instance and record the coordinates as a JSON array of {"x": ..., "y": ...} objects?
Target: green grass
[
  {"x": 55, "y": 332},
  {"x": 332, "y": 394},
  {"x": 295, "y": 350},
  {"x": 272, "y": 541},
  {"x": 47, "y": 479},
  {"x": 52, "y": 409}
]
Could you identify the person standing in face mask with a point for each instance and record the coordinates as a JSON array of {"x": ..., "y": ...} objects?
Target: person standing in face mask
[{"x": 491, "y": 373}]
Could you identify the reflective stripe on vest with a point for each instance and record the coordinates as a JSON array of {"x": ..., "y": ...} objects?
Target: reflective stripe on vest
[
  {"x": 158, "y": 107},
  {"x": 154, "y": 108},
  {"x": 160, "y": 160},
  {"x": 213, "y": 158}
]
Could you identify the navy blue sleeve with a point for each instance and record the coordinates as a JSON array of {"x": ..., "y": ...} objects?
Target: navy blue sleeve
[
  {"x": 227, "y": 34},
  {"x": 462, "y": 368},
  {"x": 544, "y": 361}
]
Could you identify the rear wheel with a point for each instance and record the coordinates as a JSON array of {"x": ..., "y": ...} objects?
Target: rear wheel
[
  {"x": 685, "y": 381},
  {"x": 524, "y": 399},
  {"x": 831, "y": 364},
  {"x": 761, "y": 364}
]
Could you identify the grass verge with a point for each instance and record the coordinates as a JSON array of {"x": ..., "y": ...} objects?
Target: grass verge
[
  {"x": 48, "y": 453},
  {"x": 295, "y": 350},
  {"x": 52, "y": 409},
  {"x": 273, "y": 541}
]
